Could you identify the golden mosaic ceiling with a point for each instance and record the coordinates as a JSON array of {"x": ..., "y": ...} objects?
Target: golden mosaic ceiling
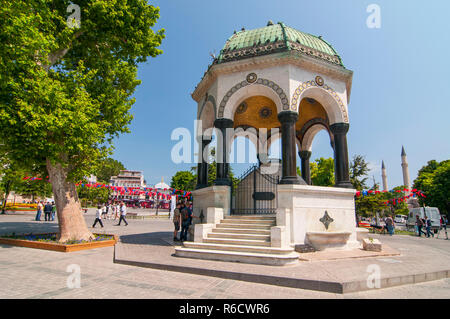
[
  {"x": 309, "y": 109},
  {"x": 261, "y": 112},
  {"x": 258, "y": 112}
]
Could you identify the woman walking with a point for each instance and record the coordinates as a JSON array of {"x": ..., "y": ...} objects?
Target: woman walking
[{"x": 39, "y": 211}]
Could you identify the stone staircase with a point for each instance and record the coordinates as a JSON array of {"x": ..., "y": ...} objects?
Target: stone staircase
[{"x": 243, "y": 239}]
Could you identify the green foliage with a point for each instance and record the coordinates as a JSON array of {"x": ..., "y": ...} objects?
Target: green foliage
[
  {"x": 107, "y": 168},
  {"x": 369, "y": 205},
  {"x": 65, "y": 93},
  {"x": 322, "y": 172},
  {"x": 184, "y": 180},
  {"x": 94, "y": 195},
  {"x": 358, "y": 172},
  {"x": 10, "y": 179},
  {"x": 40, "y": 188},
  {"x": 434, "y": 180}
]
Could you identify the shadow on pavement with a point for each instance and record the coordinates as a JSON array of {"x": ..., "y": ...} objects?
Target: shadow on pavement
[
  {"x": 7, "y": 228},
  {"x": 155, "y": 238}
]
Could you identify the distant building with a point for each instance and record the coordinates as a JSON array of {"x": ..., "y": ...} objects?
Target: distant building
[
  {"x": 127, "y": 178},
  {"x": 92, "y": 179}
]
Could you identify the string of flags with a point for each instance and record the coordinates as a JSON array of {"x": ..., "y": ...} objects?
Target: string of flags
[
  {"x": 30, "y": 178},
  {"x": 412, "y": 193},
  {"x": 122, "y": 190},
  {"x": 148, "y": 191}
]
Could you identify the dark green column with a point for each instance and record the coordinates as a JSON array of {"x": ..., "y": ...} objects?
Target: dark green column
[
  {"x": 341, "y": 170},
  {"x": 289, "y": 155},
  {"x": 306, "y": 171},
  {"x": 202, "y": 169},
  {"x": 222, "y": 177}
]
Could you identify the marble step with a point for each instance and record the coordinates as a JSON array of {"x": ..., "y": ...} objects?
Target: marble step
[
  {"x": 240, "y": 236},
  {"x": 262, "y": 217},
  {"x": 234, "y": 241},
  {"x": 241, "y": 248},
  {"x": 234, "y": 256},
  {"x": 248, "y": 221},
  {"x": 246, "y": 226},
  {"x": 241, "y": 231}
]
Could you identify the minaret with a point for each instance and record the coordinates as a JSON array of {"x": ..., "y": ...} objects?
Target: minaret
[
  {"x": 384, "y": 176},
  {"x": 405, "y": 170}
]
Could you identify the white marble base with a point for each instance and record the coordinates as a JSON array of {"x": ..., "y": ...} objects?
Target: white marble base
[
  {"x": 212, "y": 196},
  {"x": 302, "y": 206}
]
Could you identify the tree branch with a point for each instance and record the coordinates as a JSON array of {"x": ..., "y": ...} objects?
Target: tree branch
[{"x": 57, "y": 55}]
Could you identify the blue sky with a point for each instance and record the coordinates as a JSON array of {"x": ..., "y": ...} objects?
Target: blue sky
[{"x": 400, "y": 93}]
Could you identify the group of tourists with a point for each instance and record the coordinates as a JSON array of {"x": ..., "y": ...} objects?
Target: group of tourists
[
  {"x": 49, "y": 209},
  {"x": 110, "y": 210},
  {"x": 426, "y": 222},
  {"x": 389, "y": 225},
  {"x": 182, "y": 217}
]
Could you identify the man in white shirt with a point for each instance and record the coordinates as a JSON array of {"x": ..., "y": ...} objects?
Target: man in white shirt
[
  {"x": 98, "y": 216},
  {"x": 123, "y": 213}
]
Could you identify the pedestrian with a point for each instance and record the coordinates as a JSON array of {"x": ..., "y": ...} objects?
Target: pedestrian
[
  {"x": 113, "y": 210},
  {"x": 109, "y": 210},
  {"x": 176, "y": 222},
  {"x": 390, "y": 225},
  {"x": 443, "y": 226},
  {"x": 98, "y": 216},
  {"x": 123, "y": 213},
  {"x": 104, "y": 211},
  {"x": 185, "y": 222},
  {"x": 428, "y": 226},
  {"x": 39, "y": 211},
  {"x": 419, "y": 224},
  {"x": 47, "y": 211},
  {"x": 117, "y": 210},
  {"x": 53, "y": 211}
]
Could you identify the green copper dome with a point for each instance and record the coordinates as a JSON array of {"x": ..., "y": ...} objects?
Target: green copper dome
[{"x": 275, "y": 38}]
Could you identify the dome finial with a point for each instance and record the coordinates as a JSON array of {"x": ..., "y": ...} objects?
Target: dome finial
[{"x": 270, "y": 23}]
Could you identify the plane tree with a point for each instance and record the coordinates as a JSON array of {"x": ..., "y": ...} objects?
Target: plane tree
[{"x": 67, "y": 76}]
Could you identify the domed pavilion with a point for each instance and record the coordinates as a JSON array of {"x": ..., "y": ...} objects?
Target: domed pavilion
[{"x": 271, "y": 83}]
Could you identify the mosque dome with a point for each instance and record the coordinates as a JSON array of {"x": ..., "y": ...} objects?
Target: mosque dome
[{"x": 275, "y": 38}]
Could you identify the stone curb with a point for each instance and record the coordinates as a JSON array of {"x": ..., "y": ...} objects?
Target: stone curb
[{"x": 317, "y": 285}]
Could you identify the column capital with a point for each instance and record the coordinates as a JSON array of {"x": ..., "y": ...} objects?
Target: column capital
[
  {"x": 204, "y": 139},
  {"x": 339, "y": 128},
  {"x": 223, "y": 123},
  {"x": 304, "y": 154},
  {"x": 263, "y": 158},
  {"x": 287, "y": 117}
]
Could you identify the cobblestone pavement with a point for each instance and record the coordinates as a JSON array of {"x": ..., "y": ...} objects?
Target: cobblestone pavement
[{"x": 33, "y": 273}]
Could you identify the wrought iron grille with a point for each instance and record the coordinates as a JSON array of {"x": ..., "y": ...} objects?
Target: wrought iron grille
[{"x": 255, "y": 193}]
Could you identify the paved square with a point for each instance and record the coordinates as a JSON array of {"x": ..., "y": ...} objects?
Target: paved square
[{"x": 34, "y": 273}]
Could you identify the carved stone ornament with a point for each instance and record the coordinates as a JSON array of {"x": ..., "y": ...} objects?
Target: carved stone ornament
[
  {"x": 251, "y": 78},
  {"x": 241, "y": 108},
  {"x": 319, "y": 80},
  {"x": 326, "y": 220},
  {"x": 265, "y": 112}
]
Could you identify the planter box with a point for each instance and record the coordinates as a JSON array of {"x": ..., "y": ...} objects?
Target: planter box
[
  {"x": 59, "y": 247},
  {"x": 374, "y": 245}
]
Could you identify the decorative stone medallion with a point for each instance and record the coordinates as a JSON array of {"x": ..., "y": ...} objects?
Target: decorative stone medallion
[
  {"x": 312, "y": 83},
  {"x": 241, "y": 108},
  {"x": 319, "y": 80},
  {"x": 252, "y": 77},
  {"x": 265, "y": 112},
  {"x": 326, "y": 220},
  {"x": 275, "y": 87}
]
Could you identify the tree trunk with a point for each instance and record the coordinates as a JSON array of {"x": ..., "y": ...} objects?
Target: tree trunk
[
  {"x": 7, "y": 190},
  {"x": 72, "y": 225}
]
